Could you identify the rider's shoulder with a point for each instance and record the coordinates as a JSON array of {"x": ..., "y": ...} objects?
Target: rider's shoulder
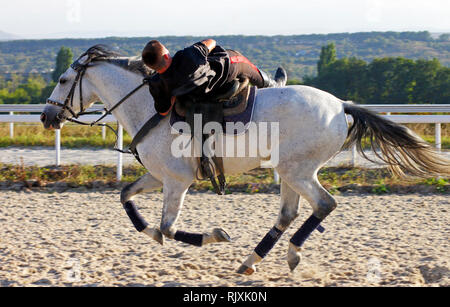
[{"x": 197, "y": 49}]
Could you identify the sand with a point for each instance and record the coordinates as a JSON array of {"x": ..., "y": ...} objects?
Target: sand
[{"x": 84, "y": 238}]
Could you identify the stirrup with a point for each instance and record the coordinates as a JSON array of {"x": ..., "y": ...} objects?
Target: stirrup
[
  {"x": 208, "y": 171},
  {"x": 222, "y": 183},
  {"x": 218, "y": 162},
  {"x": 216, "y": 187}
]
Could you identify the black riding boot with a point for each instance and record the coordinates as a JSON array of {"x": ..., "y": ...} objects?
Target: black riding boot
[{"x": 279, "y": 81}]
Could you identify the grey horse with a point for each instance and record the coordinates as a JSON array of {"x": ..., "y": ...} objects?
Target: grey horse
[{"x": 313, "y": 128}]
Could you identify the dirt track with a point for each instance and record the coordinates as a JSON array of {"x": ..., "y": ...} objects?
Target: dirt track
[{"x": 86, "y": 239}]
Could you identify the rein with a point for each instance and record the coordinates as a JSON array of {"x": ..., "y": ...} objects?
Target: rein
[{"x": 68, "y": 105}]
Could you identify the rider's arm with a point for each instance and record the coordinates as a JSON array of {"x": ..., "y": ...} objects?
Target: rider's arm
[
  {"x": 172, "y": 103},
  {"x": 163, "y": 101}
]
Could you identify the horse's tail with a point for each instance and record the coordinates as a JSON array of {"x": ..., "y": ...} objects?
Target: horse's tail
[{"x": 403, "y": 151}]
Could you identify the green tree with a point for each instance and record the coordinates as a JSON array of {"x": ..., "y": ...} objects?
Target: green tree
[
  {"x": 2, "y": 82},
  {"x": 391, "y": 81},
  {"x": 18, "y": 96},
  {"x": 4, "y": 94},
  {"x": 47, "y": 91},
  {"x": 345, "y": 78},
  {"x": 383, "y": 81},
  {"x": 294, "y": 82},
  {"x": 425, "y": 77},
  {"x": 327, "y": 56},
  {"x": 14, "y": 82},
  {"x": 441, "y": 86},
  {"x": 33, "y": 88},
  {"x": 63, "y": 61},
  {"x": 444, "y": 37}
]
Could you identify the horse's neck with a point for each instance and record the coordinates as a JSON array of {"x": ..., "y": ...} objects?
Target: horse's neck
[{"x": 114, "y": 83}]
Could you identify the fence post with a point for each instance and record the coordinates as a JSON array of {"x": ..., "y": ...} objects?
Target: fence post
[
  {"x": 354, "y": 154},
  {"x": 438, "y": 136},
  {"x": 11, "y": 127},
  {"x": 103, "y": 129},
  {"x": 120, "y": 156},
  {"x": 58, "y": 147},
  {"x": 276, "y": 177}
]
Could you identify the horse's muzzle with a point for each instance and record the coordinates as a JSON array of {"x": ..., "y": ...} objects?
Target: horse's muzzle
[{"x": 50, "y": 118}]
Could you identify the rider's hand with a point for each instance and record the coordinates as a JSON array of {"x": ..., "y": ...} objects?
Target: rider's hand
[
  {"x": 210, "y": 44},
  {"x": 172, "y": 103},
  {"x": 147, "y": 80}
]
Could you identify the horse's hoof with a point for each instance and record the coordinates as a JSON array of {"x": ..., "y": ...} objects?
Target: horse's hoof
[
  {"x": 221, "y": 236},
  {"x": 155, "y": 234},
  {"x": 293, "y": 263},
  {"x": 159, "y": 237},
  {"x": 245, "y": 270},
  {"x": 294, "y": 257}
]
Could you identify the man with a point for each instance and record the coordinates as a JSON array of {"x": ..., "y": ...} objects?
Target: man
[{"x": 201, "y": 71}]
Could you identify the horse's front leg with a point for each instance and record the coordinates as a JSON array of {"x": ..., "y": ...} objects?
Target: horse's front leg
[
  {"x": 146, "y": 183},
  {"x": 174, "y": 194}
]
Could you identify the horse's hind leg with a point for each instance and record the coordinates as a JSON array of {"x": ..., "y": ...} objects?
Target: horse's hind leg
[
  {"x": 174, "y": 194},
  {"x": 146, "y": 183},
  {"x": 290, "y": 202},
  {"x": 322, "y": 203}
]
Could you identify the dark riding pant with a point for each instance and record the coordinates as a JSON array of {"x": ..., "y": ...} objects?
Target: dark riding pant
[{"x": 242, "y": 68}]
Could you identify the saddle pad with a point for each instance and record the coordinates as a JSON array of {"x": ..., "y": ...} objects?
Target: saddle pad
[{"x": 244, "y": 117}]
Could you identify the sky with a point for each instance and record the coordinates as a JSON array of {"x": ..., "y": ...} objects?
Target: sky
[{"x": 38, "y": 19}]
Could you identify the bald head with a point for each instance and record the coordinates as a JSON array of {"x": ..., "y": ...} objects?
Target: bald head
[{"x": 155, "y": 56}]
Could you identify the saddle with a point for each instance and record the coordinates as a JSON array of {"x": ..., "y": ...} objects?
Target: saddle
[{"x": 235, "y": 104}]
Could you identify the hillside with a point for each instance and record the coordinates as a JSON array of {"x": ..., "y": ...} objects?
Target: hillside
[
  {"x": 298, "y": 53},
  {"x": 7, "y": 36}
]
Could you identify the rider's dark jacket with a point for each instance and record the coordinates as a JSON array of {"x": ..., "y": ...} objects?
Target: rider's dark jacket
[{"x": 194, "y": 71}]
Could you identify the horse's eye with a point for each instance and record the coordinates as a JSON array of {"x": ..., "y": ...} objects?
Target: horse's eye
[{"x": 62, "y": 81}]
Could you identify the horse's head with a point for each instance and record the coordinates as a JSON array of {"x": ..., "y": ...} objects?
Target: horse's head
[{"x": 74, "y": 92}]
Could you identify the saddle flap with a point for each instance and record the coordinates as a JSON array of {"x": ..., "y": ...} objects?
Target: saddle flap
[{"x": 238, "y": 104}]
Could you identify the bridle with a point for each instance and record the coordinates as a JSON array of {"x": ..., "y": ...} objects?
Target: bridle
[
  {"x": 68, "y": 102},
  {"x": 68, "y": 106}
]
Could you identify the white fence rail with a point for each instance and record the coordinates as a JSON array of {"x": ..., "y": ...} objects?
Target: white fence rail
[{"x": 12, "y": 117}]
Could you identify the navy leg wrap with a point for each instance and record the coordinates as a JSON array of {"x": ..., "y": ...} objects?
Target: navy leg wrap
[
  {"x": 320, "y": 229},
  {"x": 303, "y": 233},
  {"x": 268, "y": 242},
  {"x": 189, "y": 238},
  {"x": 137, "y": 219}
]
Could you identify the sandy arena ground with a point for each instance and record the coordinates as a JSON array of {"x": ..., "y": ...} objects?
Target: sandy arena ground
[{"x": 85, "y": 239}]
